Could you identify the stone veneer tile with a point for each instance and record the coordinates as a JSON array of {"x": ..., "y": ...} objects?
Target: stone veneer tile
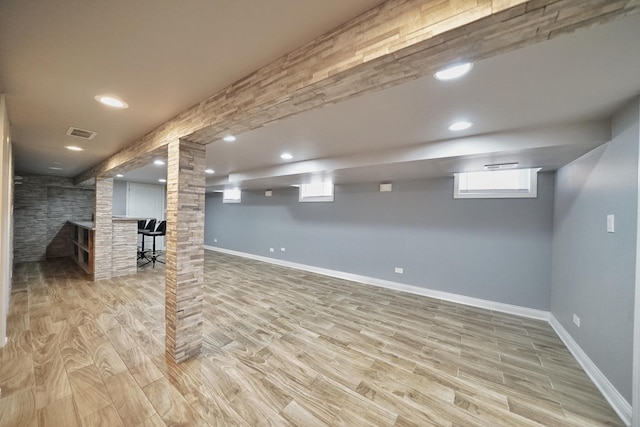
[
  {"x": 65, "y": 204},
  {"x": 42, "y": 206},
  {"x": 124, "y": 248},
  {"x": 103, "y": 228},
  {"x": 185, "y": 249}
]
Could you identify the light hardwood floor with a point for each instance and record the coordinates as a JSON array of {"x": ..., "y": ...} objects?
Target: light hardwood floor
[{"x": 281, "y": 347}]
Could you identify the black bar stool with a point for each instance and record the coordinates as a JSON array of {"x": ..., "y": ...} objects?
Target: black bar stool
[
  {"x": 161, "y": 230},
  {"x": 145, "y": 225}
]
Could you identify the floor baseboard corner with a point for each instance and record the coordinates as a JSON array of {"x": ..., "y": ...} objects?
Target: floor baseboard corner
[{"x": 610, "y": 393}]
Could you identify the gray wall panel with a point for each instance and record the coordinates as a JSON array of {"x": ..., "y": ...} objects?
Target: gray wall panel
[
  {"x": 593, "y": 272},
  {"x": 495, "y": 249}
]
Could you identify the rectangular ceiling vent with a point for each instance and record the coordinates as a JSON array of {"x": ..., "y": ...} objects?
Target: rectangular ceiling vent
[{"x": 81, "y": 133}]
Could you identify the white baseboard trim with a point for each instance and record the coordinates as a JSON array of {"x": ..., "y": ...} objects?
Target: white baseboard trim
[
  {"x": 615, "y": 399},
  {"x": 446, "y": 296}
]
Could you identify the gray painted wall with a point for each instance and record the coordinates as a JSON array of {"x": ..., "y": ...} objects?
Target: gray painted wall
[
  {"x": 42, "y": 207},
  {"x": 495, "y": 249},
  {"x": 593, "y": 272},
  {"x": 119, "y": 198}
]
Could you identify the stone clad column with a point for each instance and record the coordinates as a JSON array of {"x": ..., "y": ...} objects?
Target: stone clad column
[
  {"x": 185, "y": 249},
  {"x": 102, "y": 234}
]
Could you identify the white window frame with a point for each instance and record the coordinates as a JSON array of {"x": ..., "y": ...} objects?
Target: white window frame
[
  {"x": 488, "y": 193},
  {"x": 232, "y": 195},
  {"x": 318, "y": 191}
]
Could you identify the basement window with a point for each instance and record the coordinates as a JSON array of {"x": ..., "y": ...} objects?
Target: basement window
[
  {"x": 504, "y": 184},
  {"x": 319, "y": 191},
  {"x": 231, "y": 195}
]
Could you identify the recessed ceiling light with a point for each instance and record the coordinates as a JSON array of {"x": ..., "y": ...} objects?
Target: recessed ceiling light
[
  {"x": 111, "y": 101},
  {"x": 229, "y": 138},
  {"x": 55, "y": 168},
  {"x": 119, "y": 175},
  {"x": 209, "y": 171},
  {"x": 286, "y": 156},
  {"x": 462, "y": 125},
  {"x": 73, "y": 148},
  {"x": 162, "y": 180},
  {"x": 454, "y": 72},
  {"x": 158, "y": 162}
]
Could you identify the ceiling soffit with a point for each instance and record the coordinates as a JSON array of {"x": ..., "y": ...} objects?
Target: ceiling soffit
[{"x": 392, "y": 43}]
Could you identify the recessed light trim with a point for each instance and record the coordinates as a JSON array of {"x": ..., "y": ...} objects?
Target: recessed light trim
[
  {"x": 162, "y": 180},
  {"x": 286, "y": 156},
  {"x": 119, "y": 175},
  {"x": 73, "y": 148},
  {"x": 209, "y": 171},
  {"x": 454, "y": 72},
  {"x": 158, "y": 162},
  {"x": 460, "y": 125},
  {"x": 229, "y": 138},
  {"x": 55, "y": 168},
  {"x": 111, "y": 101}
]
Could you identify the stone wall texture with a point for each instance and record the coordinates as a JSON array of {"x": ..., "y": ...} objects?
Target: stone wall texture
[
  {"x": 103, "y": 229},
  {"x": 42, "y": 207},
  {"x": 124, "y": 248},
  {"x": 63, "y": 204},
  {"x": 185, "y": 249}
]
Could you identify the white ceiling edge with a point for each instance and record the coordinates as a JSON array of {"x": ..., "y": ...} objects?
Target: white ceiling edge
[{"x": 562, "y": 143}]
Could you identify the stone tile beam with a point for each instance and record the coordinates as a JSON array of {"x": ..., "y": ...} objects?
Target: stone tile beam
[{"x": 392, "y": 43}]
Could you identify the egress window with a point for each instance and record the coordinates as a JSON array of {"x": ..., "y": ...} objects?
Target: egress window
[
  {"x": 231, "y": 195},
  {"x": 513, "y": 183},
  {"x": 317, "y": 191}
]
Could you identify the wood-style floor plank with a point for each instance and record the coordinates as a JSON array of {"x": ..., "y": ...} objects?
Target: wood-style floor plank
[{"x": 281, "y": 347}]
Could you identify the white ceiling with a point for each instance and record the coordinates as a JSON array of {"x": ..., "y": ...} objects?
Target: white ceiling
[
  {"x": 539, "y": 105},
  {"x": 160, "y": 56}
]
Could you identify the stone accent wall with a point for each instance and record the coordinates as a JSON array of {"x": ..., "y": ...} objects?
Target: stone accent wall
[
  {"x": 42, "y": 207},
  {"x": 124, "y": 247},
  {"x": 65, "y": 204},
  {"x": 103, "y": 229},
  {"x": 185, "y": 249}
]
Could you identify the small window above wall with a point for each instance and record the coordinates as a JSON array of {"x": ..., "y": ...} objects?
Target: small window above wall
[
  {"x": 502, "y": 184},
  {"x": 231, "y": 195},
  {"x": 319, "y": 191}
]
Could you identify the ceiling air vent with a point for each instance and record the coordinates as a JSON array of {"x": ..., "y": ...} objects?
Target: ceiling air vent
[{"x": 81, "y": 133}]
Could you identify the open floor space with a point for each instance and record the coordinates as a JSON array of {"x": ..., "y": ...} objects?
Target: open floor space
[{"x": 281, "y": 347}]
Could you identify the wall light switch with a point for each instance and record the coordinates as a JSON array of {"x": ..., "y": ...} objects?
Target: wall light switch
[
  {"x": 576, "y": 320},
  {"x": 215, "y": 240},
  {"x": 282, "y": 249},
  {"x": 611, "y": 223},
  {"x": 271, "y": 249}
]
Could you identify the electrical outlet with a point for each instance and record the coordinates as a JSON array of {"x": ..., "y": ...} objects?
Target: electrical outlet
[
  {"x": 399, "y": 270},
  {"x": 215, "y": 240},
  {"x": 282, "y": 249},
  {"x": 271, "y": 249},
  {"x": 576, "y": 320}
]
